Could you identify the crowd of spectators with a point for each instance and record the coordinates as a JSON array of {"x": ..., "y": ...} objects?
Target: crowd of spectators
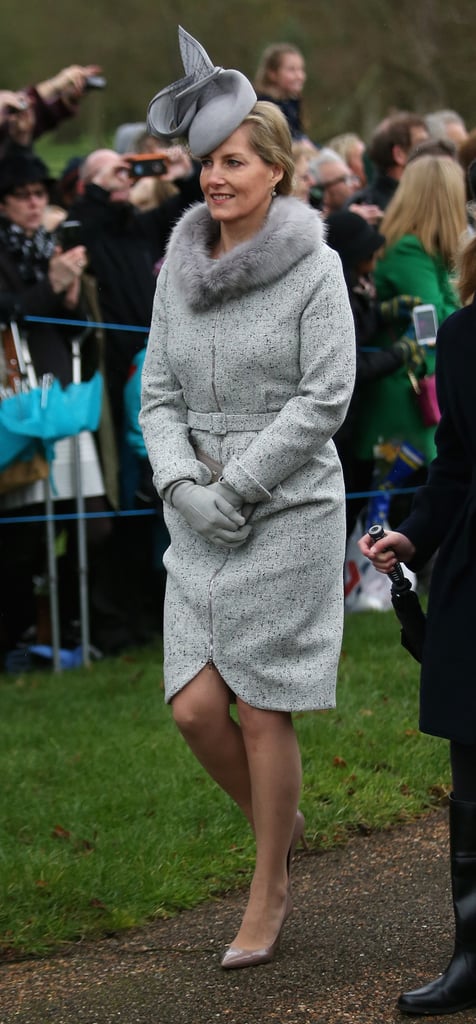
[{"x": 89, "y": 245}]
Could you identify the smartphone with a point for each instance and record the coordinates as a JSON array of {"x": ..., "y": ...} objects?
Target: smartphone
[
  {"x": 95, "y": 82},
  {"x": 22, "y": 105},
  {"x": 425, "y": 322},
  {"x": 69, "y": 234},
  {"x": 146, "y": 165}
]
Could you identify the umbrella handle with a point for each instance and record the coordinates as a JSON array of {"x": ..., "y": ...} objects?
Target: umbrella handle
[{"x": 396, "y": 575}]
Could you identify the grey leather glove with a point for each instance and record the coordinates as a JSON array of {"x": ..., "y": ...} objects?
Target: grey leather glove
[
  {"x": 228, "y": 492},
  {"x": 209, "y": 513}
]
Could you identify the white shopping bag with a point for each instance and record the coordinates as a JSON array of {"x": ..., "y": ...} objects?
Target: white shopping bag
[{"x": 365, "y": 589}]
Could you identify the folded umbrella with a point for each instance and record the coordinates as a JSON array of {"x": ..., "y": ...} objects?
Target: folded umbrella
[
  {"x": 47, "y": 414},
  {"x": 406, "y": 603}
]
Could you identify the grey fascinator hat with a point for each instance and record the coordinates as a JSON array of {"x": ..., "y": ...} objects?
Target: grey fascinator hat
[{"x": 205, "y": 106}]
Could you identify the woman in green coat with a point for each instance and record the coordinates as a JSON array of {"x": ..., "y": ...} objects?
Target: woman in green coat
[{"x": 423, "y": 226}]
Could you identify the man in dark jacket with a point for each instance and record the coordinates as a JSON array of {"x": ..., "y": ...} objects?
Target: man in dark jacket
[
  {"x": 123, "y": 248},
  {"x": 388, "y": 151}
]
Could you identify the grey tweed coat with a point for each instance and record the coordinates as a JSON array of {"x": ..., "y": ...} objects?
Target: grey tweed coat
[{"x": 251, "y": 359}]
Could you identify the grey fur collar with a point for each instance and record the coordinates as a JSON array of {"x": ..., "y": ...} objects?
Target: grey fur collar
[{"x": 292, "y": 230}]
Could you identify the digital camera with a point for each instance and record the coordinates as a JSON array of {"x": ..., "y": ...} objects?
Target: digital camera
[{"x": 147, "y": 165}]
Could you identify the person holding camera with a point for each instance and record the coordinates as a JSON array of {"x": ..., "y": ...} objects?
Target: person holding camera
[
  {"x": 30, "y": 112},
  {"x": 123, "y": 246},
  {"x": 36, "y": 279},
  {"x": 40, "y": 279}
]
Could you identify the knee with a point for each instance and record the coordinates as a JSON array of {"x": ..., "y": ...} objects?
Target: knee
[
  {"x": 257, "y": 722},
  {"x": 191, "y": 714}
]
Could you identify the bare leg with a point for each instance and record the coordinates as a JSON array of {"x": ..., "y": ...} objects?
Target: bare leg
[
  {"x": 275, "y": 771},
  {"x": 202, "y": 713}
]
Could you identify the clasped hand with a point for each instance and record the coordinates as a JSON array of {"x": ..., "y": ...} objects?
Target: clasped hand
[{"x": 212, "y": 511}]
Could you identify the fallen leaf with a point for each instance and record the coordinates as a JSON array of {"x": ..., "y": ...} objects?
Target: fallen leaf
[{"x": 60, "y": 833}]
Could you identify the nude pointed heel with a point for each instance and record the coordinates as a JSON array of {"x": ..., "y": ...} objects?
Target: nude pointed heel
[{"x": 235, "y": 957}]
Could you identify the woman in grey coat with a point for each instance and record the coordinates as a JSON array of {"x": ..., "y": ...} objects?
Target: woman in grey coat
[{"x": 248, "y": 374}]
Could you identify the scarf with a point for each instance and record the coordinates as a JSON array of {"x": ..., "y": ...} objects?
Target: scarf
[{"x": 31, "y": 255}]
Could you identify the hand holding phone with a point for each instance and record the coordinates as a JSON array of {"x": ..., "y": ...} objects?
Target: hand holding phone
[
  {"x": 69, "y": 234},
  {"x": 425, "y": 322}
]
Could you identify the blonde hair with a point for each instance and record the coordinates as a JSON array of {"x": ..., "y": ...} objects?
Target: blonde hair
[
  {"x": 429, "y": 203},
  {"x": 344, "y": 144},
  {"x": 270, "y": 61},
  {"x": 467, "y": 272},
  {"x": 302, "y": 147},
  {"x": 270, "y": 138}
]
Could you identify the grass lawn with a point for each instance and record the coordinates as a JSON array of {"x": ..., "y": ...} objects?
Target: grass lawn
[{"x": 107, "y": 820}]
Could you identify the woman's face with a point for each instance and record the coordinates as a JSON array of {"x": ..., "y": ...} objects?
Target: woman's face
[
  {"x": 355, "y": 160},
  {"x": 290, "y": 77},
  {"x": 303, "y": 179},
  {"x": 237, "y": 184},
  {"x": 25, "y": 206}
]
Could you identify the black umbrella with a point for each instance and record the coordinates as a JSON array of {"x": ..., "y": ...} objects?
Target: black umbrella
[{"x": 406, "y": 604}]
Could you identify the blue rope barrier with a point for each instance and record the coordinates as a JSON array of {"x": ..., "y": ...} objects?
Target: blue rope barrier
[
  {"x": 129, "y": 513},
  {"x": 122, "y": 327},
  {"x": 143, "y": 512},
  {"x": 62, "y": 516},
  {"x": 84, "y": 323}
]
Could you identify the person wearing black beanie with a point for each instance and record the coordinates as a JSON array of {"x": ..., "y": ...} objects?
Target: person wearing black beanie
[{"x": 358, "y": 244}]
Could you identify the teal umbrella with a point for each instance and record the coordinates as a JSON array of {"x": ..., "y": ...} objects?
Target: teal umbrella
[{"x": 47, "y": 414}]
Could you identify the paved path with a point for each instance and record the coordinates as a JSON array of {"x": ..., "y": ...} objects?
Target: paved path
[{"x": 370, "y": 918}]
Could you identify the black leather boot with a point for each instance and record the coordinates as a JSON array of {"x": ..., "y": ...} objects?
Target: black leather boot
[{"x": 456, "y": 988}]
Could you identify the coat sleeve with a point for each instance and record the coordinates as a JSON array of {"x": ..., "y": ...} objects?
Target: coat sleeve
[
  {"x": 163, "y": 415},
  {"x": 327, "y": 364},
  {"x": 409, "y": 270}
]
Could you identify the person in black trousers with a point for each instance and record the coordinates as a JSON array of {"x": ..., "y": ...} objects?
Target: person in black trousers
[{"x": 443, "y": 519}]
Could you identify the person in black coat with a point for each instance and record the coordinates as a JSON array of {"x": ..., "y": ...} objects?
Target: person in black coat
[
  {"x": 388, "y": 151},
  {"x": 443, "y": 519},
  {"x": 358, "y": 244},
  {"x": 36, "y": 279},
  {"x": 123, "y": 247},
  {"x": 280, "y": 79}
]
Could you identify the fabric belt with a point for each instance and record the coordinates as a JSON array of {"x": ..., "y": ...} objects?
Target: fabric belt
[{"x": 223, "y": 423}]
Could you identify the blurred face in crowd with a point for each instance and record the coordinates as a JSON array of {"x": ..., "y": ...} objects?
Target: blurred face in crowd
[
  {"x": 355, "y": 159},
  {"x": 303, "y": 179},
  {"x": 108, "y": 170},
  {"x": 418, "y": 134},
  {"x": 290, "y": 77},
  {"x": 456, "y": 132},
  {"x": 25, "y": 206},
  {"x": 338, "y": 184}
]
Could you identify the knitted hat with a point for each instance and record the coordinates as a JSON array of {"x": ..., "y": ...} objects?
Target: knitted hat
[
  {"x": 205, "y": 106},
  {"x": 18, "y": 169},
  {"x": 352, "y": 237}
]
